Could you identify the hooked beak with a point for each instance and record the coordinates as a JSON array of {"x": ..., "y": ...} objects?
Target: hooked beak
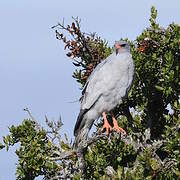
[{"x": 117, "y": 46}]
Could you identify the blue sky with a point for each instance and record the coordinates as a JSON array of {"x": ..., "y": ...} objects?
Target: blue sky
[{"x": 34, "y": 71}]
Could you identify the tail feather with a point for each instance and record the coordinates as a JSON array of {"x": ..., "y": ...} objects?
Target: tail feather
[
  {"x": 81, "y": 130},
  {"x": 79, "y": 123},
  {"x": 81, "y": 137}
]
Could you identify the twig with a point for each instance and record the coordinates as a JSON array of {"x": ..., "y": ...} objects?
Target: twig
[
  {"x": 27, "y": 110},
  {"x": 33, "y": 119},
  {"x": 64, "y": 155}
]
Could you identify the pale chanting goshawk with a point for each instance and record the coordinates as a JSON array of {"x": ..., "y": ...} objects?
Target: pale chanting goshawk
[{"x": 105, "y": 88}]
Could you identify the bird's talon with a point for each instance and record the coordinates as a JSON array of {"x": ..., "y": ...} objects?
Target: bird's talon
[
  {"x": 119, "y": 130},
  {"x": 107, "y": 128}
]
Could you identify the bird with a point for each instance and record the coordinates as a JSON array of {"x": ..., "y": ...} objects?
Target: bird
[{"x": 106, "y": 87}]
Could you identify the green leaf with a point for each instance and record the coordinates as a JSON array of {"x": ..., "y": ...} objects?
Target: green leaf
[
  {"x": 159, "y": 88},
  {"x": 154, "y": 164},
  {"x": 2, "y": 146}
]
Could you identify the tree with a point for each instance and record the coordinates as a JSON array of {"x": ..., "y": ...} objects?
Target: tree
[{"x": 150, "y": 115}]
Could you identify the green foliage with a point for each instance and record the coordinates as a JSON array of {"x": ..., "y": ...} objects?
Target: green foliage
[
  {"x": 34, "y": 152},
  {"x": 114, "y": 153},
  {"x": 157, "y": 73},
  {"x": 1, "y": 146}
]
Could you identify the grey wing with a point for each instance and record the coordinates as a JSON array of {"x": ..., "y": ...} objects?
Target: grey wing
[
  {"x": 85, "y": 95},
  {"x": 94, "y": 73},
  {"x": 97, "y": 68},
  {"x": 97, "y": 83}
]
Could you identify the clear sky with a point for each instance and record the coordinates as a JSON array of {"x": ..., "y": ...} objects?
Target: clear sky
[{"x": 34, "y": 71}]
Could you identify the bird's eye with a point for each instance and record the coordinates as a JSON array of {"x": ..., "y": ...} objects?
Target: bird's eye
[{"x": 123, "y": 45}]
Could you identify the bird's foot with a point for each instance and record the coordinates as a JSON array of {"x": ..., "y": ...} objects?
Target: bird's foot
[
  {"x": 107, "y": 127},
  {"x": 118, "y": 129},
  {"x": 116, "y": 126}
]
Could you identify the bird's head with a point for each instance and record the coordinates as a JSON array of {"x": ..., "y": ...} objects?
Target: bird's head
[{"x": 121, "y": 46}]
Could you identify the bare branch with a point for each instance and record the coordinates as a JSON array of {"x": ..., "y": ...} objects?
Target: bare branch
[{"x": 33, "y": 119}]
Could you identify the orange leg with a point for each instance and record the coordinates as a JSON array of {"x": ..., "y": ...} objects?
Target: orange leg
[
  {"x": 116, "y": 127},
  {"x": 106, "y": 124}
]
